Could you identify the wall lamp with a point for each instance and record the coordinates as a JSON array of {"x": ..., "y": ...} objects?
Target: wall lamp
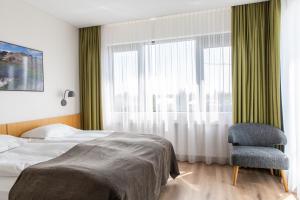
[{"x": 70, "y": 93}]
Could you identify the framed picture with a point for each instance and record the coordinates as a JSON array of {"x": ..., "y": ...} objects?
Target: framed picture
[{"x": 21, "y": 68}]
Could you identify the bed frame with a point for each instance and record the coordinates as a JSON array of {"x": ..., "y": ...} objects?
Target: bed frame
[{"x": 17, "y": 129}]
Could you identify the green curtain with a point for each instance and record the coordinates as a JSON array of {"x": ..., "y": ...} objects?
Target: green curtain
[
  {"x": 89, "y": 69},
  {"x": 256, "y": 63}
]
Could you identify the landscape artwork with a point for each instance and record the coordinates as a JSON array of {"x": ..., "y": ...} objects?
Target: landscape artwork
[{"x": 21, "y": 68}]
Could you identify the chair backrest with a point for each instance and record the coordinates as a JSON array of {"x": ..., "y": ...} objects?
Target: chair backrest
[{"x": 251, "y": 134}]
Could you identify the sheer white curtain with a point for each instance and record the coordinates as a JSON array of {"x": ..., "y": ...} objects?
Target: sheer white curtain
[
  {"x": 290, "y": 61},
  {"x": 171, "y": 76}
]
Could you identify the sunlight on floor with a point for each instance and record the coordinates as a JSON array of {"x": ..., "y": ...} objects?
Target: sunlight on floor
[
  {"x": 183, "y": 173},
  {"x": 290, "y": 197}
]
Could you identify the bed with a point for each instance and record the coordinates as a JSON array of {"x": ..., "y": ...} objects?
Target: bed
[{"x": 103, "y": 165}]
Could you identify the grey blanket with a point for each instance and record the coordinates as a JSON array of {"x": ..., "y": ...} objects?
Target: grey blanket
[{"x": 121, "y": 166}]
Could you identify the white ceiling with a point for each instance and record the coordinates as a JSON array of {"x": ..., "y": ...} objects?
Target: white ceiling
[{"x": 82, "y": 13}]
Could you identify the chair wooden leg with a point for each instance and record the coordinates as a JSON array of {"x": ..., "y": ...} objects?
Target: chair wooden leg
[
  {"x": 235, "y": 174},
  {"x": 284, "y": 181},
  {"x": 272, "y": 172}
]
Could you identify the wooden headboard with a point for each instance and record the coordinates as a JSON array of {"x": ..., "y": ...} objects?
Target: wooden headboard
[
  {"x": 3, "y": 129},
  {"x": 17, "y": 129}
]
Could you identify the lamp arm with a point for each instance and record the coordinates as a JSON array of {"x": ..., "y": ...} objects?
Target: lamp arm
[{"x": 65, "y": 93}]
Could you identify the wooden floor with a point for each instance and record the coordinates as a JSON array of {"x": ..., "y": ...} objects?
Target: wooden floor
[{"x": 200, "y": 181}]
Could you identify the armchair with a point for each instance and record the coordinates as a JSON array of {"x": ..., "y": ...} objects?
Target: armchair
[{"x": 253, "y": 146}]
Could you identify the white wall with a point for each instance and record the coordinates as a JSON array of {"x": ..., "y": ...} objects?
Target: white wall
[{"x": 22, "y": 24}]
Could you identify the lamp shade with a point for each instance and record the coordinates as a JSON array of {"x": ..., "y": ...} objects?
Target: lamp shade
[{"x": 71, "y": 94}]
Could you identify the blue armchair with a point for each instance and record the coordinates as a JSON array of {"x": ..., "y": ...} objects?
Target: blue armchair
[{"x": 253, "y": 146}]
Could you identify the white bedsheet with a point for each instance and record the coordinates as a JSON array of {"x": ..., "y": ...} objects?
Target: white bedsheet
[
  {"x": 5, "y": 184},
  {"x": 12, "y": 162}
]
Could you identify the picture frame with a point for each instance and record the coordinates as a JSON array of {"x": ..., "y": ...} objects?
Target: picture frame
[{"x": 21, "y": 68}]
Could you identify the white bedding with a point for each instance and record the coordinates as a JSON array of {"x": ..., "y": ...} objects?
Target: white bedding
[
  {"x": 12, "y": 162},
  {"x": 5, "y": 184}
]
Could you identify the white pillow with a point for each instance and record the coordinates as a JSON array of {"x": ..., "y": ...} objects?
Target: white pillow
[
  {"x": 50, "y": 131},
  {"x": 8, "y": 142}
]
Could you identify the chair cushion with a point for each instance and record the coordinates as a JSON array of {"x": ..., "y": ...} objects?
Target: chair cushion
[{"x": 259, "y": 157}]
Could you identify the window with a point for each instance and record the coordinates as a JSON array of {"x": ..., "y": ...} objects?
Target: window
[
  {"x": 217, "y": 73},
  {"x": 125, "y": 69},
  {"x": 171, "y": 70},
  {"x": 186, "y": 75}
]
